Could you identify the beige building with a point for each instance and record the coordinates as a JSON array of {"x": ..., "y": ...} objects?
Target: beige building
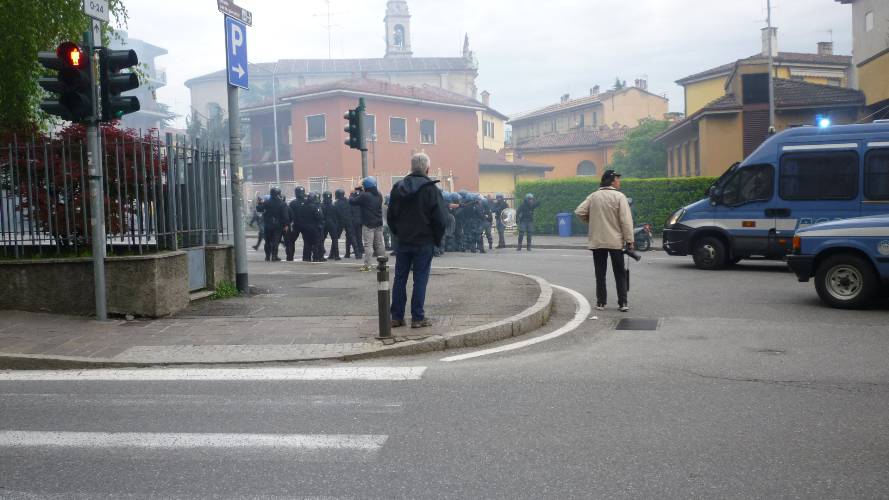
[
  {"x": 870, "y": 32},
  {"x": 399, "y": 66}
]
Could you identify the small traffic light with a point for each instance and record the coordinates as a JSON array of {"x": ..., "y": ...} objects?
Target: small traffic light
[
  {"x": 114, "y": 106},
  {"x": 72, "y": 82},
  {"x": 356, "y": 128}
]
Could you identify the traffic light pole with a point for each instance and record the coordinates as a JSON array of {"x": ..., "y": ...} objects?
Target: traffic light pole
[
  {"x": 97, "y": 207},
  {"x": 361, "y": 115},
  {"x": 234, "y": 132}
]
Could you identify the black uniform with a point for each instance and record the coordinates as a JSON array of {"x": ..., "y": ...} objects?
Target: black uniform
[
  {"x": 525, "y": 218},
  {"x": 344, "y": 221},
  {"x": 489, "y": 219},
  {"x": 295, "y": 225},
  {"x": 312, "y": 220},
  {"x": 331, "y": 228},
  {"x": 499, "y": 206},
  {"x": 274, "y": 218},
  {"x": 358, "y": 240}
]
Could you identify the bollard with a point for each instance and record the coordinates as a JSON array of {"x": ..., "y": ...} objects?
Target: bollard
[{"x": 384, "y": 297}]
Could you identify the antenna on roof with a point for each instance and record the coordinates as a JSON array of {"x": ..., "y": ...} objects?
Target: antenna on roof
[{"x": 329, "y": 26}]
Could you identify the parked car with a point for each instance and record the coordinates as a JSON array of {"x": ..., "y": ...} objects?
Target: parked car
[
  {"x": 849, "y": 259},
  {"x": 795, "y": 179}
]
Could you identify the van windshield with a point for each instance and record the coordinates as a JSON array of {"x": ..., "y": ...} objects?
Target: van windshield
[{"x": 728, "y": 173}]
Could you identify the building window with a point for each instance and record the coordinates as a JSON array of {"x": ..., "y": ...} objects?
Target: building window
[
  {"x": 397, "y": 129},
  {"x": 687, "y": 160},
  {"x": 370, "y": 122},
  {"x": 427, "y": 131},
  {"x": 398, "y": 36},
  {"x": 869, "y": 21},
  {"x": 586, "y": 168},
  {"x": 316, "y": 128},
  {"x": 829, "y": 175},
  {"x": 290, "y": 134},
  {"x": 697, "y": 148},
  {"x": 268, "y": 137},
  {"x": 595, "y": 118},
  {"x": 488, "y": 128}
]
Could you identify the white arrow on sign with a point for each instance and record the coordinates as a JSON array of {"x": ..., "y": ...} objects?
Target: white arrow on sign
[{"x": 239, "y": 70}]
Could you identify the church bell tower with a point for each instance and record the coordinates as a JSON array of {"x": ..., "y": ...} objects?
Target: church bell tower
[{"x": 398, "y": 29}]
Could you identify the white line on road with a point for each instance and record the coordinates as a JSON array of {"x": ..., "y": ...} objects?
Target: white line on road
[
  {"x": 150, "y": 440},
  {"x": 581, "y": 312},
  {"x": 376, "y": 373}
]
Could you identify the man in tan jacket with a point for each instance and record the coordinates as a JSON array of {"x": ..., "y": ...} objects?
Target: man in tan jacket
[{"x": 607, "y": 212}]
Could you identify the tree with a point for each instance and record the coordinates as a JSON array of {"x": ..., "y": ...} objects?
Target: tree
[
  {"x": 28, "y": 27},
  {"x": 638, "y": 155},
  {"x": 618, "y": 84}
]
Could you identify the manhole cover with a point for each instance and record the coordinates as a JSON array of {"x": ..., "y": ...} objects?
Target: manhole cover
[{"x": 637, "y": 324}]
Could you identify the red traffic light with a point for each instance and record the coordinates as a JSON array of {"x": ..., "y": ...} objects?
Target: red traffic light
[{"x": 71, "y": 55}]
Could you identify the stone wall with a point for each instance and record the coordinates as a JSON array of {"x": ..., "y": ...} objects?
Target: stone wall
[{"x": 220, "y": 264}]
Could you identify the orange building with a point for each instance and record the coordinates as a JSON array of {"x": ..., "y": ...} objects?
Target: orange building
[{"x": 402, "y": 120}]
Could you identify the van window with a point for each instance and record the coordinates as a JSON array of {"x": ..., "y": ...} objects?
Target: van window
[
  {"x": 827, "y": 175},
  {"x": 876, "y": 175},
  {"x": 753, "y": 183}
]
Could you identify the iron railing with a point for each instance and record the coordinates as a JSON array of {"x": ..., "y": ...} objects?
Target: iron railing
[{"x": 159, "y": 194}]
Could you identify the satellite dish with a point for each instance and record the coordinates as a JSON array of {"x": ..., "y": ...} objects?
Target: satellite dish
[{"x": 508, "y": 218}]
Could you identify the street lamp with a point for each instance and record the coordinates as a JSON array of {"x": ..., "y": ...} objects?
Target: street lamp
[{"x": 275, "y": 123}]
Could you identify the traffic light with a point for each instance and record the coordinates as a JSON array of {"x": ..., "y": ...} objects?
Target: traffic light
[
  {"x": 114, "y": 106},
  {"x": 356, "y": 128},
  {"x": 72, "y": 82}
]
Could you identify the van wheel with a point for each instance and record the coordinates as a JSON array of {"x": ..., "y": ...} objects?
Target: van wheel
[
  {"x": 846, "y": 281},
  {"x": 709, "y": 253}
]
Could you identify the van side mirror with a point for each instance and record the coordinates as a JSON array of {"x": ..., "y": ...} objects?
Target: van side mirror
[{"x": 715, "y": 195}]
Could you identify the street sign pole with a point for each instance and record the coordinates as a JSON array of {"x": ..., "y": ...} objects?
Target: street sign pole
[
  {"x": 94, "y": 159},
  {"x": 237, "y": 69}
]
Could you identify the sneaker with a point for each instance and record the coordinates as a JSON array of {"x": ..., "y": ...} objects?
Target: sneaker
[
  {"x": 600, "y": 307},
  {"x": 366, "y": 269},
  {"x": 421, "y": 323},
  {"x": 397, "y": 323},
  {"x": 624, "y": 308}
]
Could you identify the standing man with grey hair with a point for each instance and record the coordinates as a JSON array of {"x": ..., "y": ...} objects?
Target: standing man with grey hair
[{"x": 417, "y": 216}]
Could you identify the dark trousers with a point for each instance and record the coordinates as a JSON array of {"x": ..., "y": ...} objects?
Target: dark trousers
[
  {"x": 272, "y": 240},
  {"x": 416, "y": 259},
  {"x": 334, "y": 233},
  {"x": 600, "y": 261},
  {"x": 290, "y": 241},
  {"x": 526, "y": 228},
  {"x": 357, "y": 239},
  {"x": 488, "y": 235},
  {"x": 311, "y": 236},
  {"x": 501, "y": 241}
]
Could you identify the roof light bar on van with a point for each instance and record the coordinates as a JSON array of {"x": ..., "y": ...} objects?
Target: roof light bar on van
[{"x": 821, "y": 147}]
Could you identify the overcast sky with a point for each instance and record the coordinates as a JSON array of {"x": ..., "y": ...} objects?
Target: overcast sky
[{"x": 529, "y": 51}]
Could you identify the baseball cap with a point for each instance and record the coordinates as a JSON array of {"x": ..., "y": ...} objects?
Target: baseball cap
[{"x": 609, "y": 176}]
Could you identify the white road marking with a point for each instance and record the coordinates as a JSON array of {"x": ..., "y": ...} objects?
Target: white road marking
[
  {"x": 580, "y": 314},
  {"x": 382, "y": 373},
  {"x": 149, "y": 440}
]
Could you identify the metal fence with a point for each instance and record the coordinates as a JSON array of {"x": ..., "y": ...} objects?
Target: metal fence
[{"x": 159, "y": 194}]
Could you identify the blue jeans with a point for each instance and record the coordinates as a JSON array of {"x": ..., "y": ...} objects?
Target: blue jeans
[{"x": 419, "y": 260}]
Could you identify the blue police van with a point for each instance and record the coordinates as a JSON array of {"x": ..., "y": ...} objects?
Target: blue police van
[
  {"x": 795, "y": 179},
  {"x": 849, "y": 259}
]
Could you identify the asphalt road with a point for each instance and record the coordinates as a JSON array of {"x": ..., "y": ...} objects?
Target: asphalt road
[{"x": 748, "y": 389}]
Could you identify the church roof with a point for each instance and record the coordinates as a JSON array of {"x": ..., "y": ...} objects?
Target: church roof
[{"x": 350, "y": 67}]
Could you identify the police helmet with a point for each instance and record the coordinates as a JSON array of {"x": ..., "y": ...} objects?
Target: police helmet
[
  {"x": 499, "y": 196},
  {"x": 313, "y": 197},
  {"x": 275, "y": 192},
  {"x": 327, "y": 195},
  {"x": 529, "y": 196},
  {"x": 455, "y": 198},
  {"x": 369, "y": 182},
  {"x": 340, "y": 193},
  {"x": 300, "y": 192}
]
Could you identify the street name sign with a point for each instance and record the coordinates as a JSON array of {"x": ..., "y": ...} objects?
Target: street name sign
[
  {"x": 229, "y": 8},
  {"x": 236, "y": 53},
  {"x": 96, "y": 9}
]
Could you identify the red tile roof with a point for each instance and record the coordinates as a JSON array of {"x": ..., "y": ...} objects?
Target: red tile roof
[
  {"x": 584, "y": 138},
  {"x": 783, "y": 57},
  {"x": 574, "y": 103}
]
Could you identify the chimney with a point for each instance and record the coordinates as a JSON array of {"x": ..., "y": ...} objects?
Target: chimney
[
  {"x": 565, "y": 98},
  {"x": 642, "y": 84},
  {"x": 825, "y": 48},
  {"x": 595, "y": 90},
  {"x": 486, "y": 98},
  {"x": 765, "y": 41}
]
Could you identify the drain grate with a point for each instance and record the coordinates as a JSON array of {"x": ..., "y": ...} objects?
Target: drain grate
[{"x": 637, "y": 324}]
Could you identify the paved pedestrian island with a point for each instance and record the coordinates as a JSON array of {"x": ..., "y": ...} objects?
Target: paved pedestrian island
[{"x": 297, "y": 311}]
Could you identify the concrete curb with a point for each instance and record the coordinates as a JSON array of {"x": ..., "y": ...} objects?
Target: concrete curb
[
  {"x": 526, "y": 321},
  {"x": 578, "y": 247}
]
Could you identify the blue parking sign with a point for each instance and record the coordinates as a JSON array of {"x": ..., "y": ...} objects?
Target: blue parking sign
[{"x": 236, "y": 52}]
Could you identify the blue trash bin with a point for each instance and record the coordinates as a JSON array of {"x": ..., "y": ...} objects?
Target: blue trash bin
[{"x": 564, "y": 221}]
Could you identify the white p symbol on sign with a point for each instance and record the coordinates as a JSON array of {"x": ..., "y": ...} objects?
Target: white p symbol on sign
[{"x": 237, "y": 38}]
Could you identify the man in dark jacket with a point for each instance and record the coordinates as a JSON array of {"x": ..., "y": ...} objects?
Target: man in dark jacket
[
  {"x": 418, "y": 217},
  {"x": 371, "y": 203},
  {"x": 343, "y": 219},
  {"x": 525, "y": 218},
  {"x": 358, "y": 244},
  {"x": 331, "y": 226},
  {"x": 499, "y": 206},
  {"x": 296, "y": 224},
  {"x": 274, "y": 217}
]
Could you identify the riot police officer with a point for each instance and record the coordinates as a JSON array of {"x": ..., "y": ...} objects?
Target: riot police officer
[
  {"x": 331, "y": 226},
  {"x": 499, "y": 206},
  {"x": 525, "y": 218},
  {"x": 295, "y": 228},
  {"x": 274, "y": 218},
  {"x": 344, "y": 220},
  {"x": 312, "y": 221}
]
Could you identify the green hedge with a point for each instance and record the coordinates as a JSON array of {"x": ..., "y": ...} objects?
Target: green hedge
[{"x": 654, "y": 199}]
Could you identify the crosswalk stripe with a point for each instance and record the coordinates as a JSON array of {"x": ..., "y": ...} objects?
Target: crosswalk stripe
[
  {"x": 306, "y": 442},
  {"x": 373, "y": 373}
]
